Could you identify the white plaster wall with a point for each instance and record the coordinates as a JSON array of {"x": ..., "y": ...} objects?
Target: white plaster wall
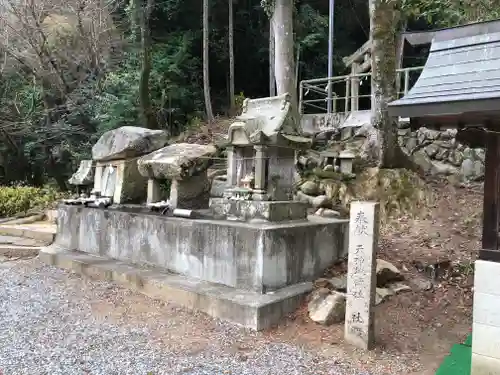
[{"x": 486, "y": 319}]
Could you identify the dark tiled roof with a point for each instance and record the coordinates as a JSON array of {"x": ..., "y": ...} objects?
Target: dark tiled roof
[{"x": 461, "y": 75}]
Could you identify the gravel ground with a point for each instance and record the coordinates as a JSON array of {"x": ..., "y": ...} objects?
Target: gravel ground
[{"x": 54, "y": 322}]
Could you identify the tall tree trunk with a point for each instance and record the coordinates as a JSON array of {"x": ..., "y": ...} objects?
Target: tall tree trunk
[
  {"x": 145, "y": 102},
  {"x": 272, "y": 77},
  {"x": 284, "y": 66},
  {"x": 384, "y": 15},
  {"x": 399, "y": 53},
  {"x": 232, "y": 98},
  {"x": 206, "y": 71}
]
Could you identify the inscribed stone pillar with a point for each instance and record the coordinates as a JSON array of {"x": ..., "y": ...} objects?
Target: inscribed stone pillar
[{"x": 361, "y": 276}]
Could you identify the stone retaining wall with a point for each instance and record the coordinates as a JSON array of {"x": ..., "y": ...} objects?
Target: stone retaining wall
[{"x": 437, "y": 152}]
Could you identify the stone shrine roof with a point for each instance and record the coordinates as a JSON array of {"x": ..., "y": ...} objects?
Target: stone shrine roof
[
  {"x": 266, "y": 121},
  {"x": 461, "y": 78}
]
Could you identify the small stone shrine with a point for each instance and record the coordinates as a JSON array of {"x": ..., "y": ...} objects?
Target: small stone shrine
[
  {"x": 261, "y": 164},
  {"x": 185, "y": 165},
  {"x": 116, "y": 154}
]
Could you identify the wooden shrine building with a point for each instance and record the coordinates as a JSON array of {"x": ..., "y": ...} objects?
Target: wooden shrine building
[{"x": 460, "y": 85}]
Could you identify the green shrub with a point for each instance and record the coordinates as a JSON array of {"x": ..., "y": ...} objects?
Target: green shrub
[{"x": 20, "y": 199}]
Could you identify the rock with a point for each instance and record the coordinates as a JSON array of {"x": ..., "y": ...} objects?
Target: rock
[
  {"x": 421, "y": 284},
  {"x": 411, "y": 144},
  {"x": 467, "y": 170},
  {"x": 421, "y": 159},
  {"x": 386, "y": 273},
  {"x": 177, "y": 161},
  {"x": 320, "y": 201},
  {"x": 128, "y": 142},
  {"x": 399, "y": 288},
  {"x": 326, "y": 212},
  {"x": 382, "y": 294},
  {"x": 339, "y": 283},
  {"x": 84, "y": 175},
  {"x": 439, "y": 168},
  {"x": 309, "y": 188},
  {"x": 301, "y": 197},
  {"x": 217, "y": 188},
  {"x": 478, "y": 168},
  {"x": 329, "y": 168},
  {"x": 327, "y": 309},
  {"x": 431, "y": 150}
]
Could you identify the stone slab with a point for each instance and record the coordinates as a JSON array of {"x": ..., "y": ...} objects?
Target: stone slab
[
  {"x": 258, "y": 257},
  {"x": 249, "y": 309},
  {"x": 272, "y": 211}
]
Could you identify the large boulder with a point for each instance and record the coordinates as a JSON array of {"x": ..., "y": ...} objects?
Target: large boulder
[
  {"x": 177, "y": 161},
  {"x": 128, "y": 142}
]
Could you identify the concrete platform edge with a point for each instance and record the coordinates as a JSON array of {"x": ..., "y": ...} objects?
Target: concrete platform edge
[
  {"x": 8, "y": 230},
  {"x": 241, "y": 307}
]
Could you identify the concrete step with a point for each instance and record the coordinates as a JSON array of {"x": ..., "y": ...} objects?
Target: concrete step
[
  {"x": 248, "y": 309},
  {"x": 16, "y": 251},
  {"x": 42, "y": 231}
]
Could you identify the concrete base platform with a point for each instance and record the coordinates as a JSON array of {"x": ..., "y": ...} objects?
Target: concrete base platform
[{"x": 246, "y": 308}]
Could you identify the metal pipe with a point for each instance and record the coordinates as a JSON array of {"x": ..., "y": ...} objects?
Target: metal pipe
[{"x": 330, "y": 53}]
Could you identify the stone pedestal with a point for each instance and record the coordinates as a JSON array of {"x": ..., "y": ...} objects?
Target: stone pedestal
[
  {"x": 154, "y": 191},
  {"x": 129, "y": 185},
  {"x": 486, "y": 319},
  {"x": 259, "y": 211},
  {"x": 191, "y": 193}
]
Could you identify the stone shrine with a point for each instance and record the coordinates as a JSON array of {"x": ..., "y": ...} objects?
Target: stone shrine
[
  {"x": 185, "y": 165},
  {"x": 261, "y": 164}
]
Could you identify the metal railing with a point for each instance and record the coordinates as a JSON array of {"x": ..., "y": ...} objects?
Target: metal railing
[{"x": 350, "y": 92}]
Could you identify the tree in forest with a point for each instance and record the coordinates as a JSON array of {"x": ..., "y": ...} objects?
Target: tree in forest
[
  {"x": 452, "y": 13},
  {"x": 385, "y": 16},
  {"x": 281, "y": 16},
  {"x": 144, "y": 19},
  {"x": 232, "y": 97},
  {"x": 206, "y": 70}
]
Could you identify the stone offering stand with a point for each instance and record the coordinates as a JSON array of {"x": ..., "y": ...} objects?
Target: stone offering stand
[{"x": 247, "y": 257}]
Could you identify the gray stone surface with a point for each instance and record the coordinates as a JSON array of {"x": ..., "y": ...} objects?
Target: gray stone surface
[
  {"x": 177, "y": 161},
  {"x": 128, "y": 142},
  {"x": 256, "y": 257},
  {"x": 53, "y": 322},
  {"x": 84, "y": 174}
]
